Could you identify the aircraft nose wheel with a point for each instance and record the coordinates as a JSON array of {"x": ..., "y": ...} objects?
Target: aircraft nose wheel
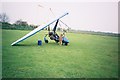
[{"x": 65, "y": 44}]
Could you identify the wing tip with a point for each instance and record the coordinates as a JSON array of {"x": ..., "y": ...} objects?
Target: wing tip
[{"x": 12, "y": 44}]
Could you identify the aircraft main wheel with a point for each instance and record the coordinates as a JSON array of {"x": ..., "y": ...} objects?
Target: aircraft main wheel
[
  {"x": 66, "y": 44},
  {"x": 46, "y": 41}
]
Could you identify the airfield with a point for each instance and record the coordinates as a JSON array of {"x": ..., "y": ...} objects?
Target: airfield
[{"x": 86, "y": 56}]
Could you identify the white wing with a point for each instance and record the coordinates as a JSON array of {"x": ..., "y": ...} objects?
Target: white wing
[{"x": 37, "y": 30}]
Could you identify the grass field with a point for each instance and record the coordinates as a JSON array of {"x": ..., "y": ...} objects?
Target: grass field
[
  {"x": 0, "y": 53},
  {"x": 87, "y": 56}
]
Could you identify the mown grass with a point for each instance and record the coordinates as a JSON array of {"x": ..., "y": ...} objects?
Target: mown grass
[
  {"x": 87, "y": 56},
  {"x": 0, "y": 53}
]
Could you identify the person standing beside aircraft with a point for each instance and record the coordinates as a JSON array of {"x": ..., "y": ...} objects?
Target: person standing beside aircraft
[{"x": 60, "y": 39}]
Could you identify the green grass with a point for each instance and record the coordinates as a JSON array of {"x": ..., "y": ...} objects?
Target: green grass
[
  {"x": 87, "y": 56},
  {"x": 0, "y": 53}
]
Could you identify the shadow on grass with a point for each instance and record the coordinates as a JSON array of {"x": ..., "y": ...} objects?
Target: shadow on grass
[
  {"x": 26, "y": 45},
  {"x": 50, "y": 44},
  {"x": 35, "y": 44}
]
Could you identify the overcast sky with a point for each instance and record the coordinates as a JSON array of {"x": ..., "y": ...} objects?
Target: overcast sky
[{"x": 92, "y": 16}]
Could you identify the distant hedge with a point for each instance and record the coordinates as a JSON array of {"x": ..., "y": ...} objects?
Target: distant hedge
[
  {"x": 96, "y": 33},
  {"x": 6, "y": 25}
]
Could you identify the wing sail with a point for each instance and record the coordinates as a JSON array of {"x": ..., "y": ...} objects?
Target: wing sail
[{"x": 37, "y": 30}]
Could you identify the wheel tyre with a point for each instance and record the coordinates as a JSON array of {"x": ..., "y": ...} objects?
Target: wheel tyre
[
  {"x": 46, "y": 41},
  {"x": 66, "y": 44}
]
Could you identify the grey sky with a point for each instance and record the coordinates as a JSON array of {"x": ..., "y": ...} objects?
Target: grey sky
[{"x": 94, "y": 16}]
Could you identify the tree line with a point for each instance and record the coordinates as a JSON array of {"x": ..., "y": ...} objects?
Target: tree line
[
  {"x": 23, "y": 25},
  {"x": 18, "y": 25}
]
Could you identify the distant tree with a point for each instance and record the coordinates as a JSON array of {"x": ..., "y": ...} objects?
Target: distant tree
[
  {"x": 6, "y": 25},
  {"x": 64, "y": 30},
  {"x": 4, "y": 17},
  {"x": 21, "y": 22},
  {"x": 59, "y": 29},
  {"x": 34, "y": 26},
  {"x": 68, "y": 28}
]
